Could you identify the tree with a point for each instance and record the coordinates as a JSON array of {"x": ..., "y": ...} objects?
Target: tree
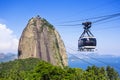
[
  {"x": 112, "y": 74},
  {"x": 36, "y": 69}
]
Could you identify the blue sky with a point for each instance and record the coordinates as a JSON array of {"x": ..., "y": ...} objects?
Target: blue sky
[{"x": 15, "y": 14}]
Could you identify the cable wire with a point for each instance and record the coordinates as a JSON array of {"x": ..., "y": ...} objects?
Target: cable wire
[
  {"x": 106, "y": 18},
  {"x": 91, "y": 18},
  {"x": 89, "y": 9},
  {"x": 99, "y": 19},
  {"x": 70, "y": 25},
  {"x": 80, "y": 58},
  {"x": 97, "y": 60}
]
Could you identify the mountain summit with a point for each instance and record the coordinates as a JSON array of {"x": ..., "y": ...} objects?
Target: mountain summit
[{"x": 40, "y": 39}]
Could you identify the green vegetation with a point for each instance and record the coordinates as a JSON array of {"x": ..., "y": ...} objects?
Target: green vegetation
[
  {"x": 46, "y": 23},
  {"x": 36, "y": 69}
]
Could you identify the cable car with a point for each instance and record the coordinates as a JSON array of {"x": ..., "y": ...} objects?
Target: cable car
[{"x": 87, "y": 42}]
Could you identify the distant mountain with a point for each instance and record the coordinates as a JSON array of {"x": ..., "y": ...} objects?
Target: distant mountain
[
  {"x": 7, "y": 57},
  {"x": 85, "y": 60},
  {"x": 89, "y": 55}
]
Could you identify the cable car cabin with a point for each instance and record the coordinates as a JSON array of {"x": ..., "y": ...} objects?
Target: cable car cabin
[{"x": 86, "y": 43}]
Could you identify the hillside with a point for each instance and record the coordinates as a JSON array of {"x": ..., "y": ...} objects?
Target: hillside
[{"x": 36, "y": 69}]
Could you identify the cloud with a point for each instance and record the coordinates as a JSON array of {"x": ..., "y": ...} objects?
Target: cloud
[{"x": 8, "y": 41}]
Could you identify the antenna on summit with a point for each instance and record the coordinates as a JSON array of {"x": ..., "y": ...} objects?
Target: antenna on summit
[{"x": 38, "y": 17}]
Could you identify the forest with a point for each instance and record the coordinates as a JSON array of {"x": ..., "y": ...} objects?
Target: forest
[{"x": 36, "y": 69}]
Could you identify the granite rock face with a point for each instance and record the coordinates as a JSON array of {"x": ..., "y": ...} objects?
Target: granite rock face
[{"x": 40, "y": 39}]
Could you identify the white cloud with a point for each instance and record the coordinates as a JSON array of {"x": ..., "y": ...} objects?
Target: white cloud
[{"x": 8, "y": 41}]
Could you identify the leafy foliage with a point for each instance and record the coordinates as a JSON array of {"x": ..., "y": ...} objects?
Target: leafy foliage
[
  {"x": 46, "y": 23},
  {"x": 36, "y": 69}
]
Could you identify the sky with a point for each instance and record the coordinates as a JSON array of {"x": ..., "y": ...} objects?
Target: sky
[{"x": 15, "y": 14}]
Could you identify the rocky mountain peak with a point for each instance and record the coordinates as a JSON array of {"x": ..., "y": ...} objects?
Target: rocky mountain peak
[{"x": 41, "y": 40}]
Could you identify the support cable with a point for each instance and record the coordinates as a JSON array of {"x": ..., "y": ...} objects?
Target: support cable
[
  {"x": 80, "y": 58},
  {"x": 100, "y": 18},
  {"x": 97, "y": 60}
]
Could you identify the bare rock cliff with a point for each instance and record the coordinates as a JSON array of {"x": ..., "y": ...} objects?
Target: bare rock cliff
[{"x": 40, "y": 40}]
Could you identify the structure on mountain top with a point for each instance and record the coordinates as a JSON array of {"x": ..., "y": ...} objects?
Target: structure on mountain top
[{"x": 40, "y": 39}]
